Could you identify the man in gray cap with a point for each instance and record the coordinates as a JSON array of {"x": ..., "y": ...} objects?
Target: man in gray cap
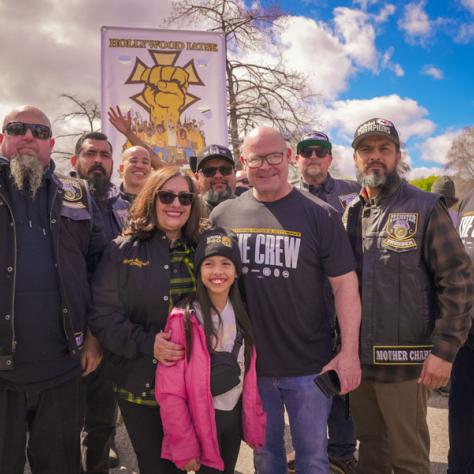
[
  {"x": 416, "y": 290},
  {"x": 215, "y": 173}
]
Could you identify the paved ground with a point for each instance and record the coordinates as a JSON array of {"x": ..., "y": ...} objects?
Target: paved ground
[{"x": 437, "y": 420}]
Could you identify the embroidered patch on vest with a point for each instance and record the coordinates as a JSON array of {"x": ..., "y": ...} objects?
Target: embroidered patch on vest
[
  {"x": 401, "y": 227},
  {"x": 72, "y": 193},
  {"x": 346, "y": 199},
  {"x": 135, "y": 262},
  {"x": 400, "y": 355}
]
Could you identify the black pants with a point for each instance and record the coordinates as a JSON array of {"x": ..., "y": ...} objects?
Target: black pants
[
  {"x": 100, "y": 415},
  {"x": 145, "y": 430},
  {"x": 229, "y": 433},
  {"x": 51, "y": 418},
  {"x": 461, "y": 413}
]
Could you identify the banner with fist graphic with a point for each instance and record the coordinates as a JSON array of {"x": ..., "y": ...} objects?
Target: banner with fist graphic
[{"x": 166, "y": 88}]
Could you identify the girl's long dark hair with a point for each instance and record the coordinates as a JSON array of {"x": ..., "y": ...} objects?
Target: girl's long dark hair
[{"x": 205, "y": 303}]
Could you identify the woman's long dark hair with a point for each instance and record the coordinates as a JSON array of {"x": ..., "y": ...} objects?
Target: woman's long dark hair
[{"x": 241, "y": 317}]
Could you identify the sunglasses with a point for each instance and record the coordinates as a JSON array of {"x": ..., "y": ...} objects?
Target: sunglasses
[
  {"x": 308, "y": 152},
  {"x": 167, "y": 197},
  {"x": 43, "y": 132},
  {"x": 211, "y": 171}
]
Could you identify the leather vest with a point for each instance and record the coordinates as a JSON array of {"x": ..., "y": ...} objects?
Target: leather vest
[{"x": 398, "y": 299}]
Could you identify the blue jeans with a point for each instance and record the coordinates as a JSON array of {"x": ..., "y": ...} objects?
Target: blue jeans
[
  {"x": 308, "y": 411},
  {"x": 342, "y": 443}
]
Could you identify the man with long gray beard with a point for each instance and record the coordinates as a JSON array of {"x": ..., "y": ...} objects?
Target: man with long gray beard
[
  {"x": 50, "y": 244},
  {"x": 416, "y": 290},
  {"x": 93, "y": 162}
]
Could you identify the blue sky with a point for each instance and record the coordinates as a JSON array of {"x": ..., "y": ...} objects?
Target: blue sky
[
  {"x": 411, "y": 62},
  {"x": 430, "y": 46}
]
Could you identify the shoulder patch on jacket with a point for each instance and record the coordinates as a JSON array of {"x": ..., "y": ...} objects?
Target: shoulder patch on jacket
[{"x": 73, "y": 193}]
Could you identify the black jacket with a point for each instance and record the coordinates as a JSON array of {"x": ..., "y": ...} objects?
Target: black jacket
[
  {"x": 78, "y": 241},
  {"x": 130, "y": 306}
]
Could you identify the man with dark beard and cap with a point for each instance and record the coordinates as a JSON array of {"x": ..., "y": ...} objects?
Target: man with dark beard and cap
[
  {"x": 416, "y": 290},
  {"x": 50, "y": 244},
  {"x": 215, "y": 173},
  {"x": 93, "y": 162}
]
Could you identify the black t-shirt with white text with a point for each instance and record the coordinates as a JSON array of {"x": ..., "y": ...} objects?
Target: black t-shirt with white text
[{"x": 288, "y": 246}]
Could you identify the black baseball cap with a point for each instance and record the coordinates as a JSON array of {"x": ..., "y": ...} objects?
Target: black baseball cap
[
  {"x": 214, "y": 151},
  {"x": 217, "y": 241},
  {"x": 376, "y": 126},
  {"x": 314, "y": 139}
]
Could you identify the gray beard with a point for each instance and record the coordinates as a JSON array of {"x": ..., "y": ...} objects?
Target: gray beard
[
  {"x": 27, "y": 172},
  {"x": 371, "y": 179},
  {"x": 215, "y": 197}
]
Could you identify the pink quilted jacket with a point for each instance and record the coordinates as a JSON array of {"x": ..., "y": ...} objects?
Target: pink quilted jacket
[{"x": 187, "y": 411}]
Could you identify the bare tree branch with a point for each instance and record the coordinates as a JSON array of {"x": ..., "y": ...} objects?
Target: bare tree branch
[
  {"x": 257, "y": 94},
  {"x": 461, "y": 155}
]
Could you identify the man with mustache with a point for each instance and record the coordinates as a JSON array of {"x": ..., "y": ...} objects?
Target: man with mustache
[
  {"x": 215, "y": 173},
  {"x": 93, "y": 162},
  {"x": 416, "y": 289},
  {"x": 49, "y": 246}
]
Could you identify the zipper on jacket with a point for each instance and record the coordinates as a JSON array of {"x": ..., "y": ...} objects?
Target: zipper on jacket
[
  {"x": 64, "y": 308},
  {"x": 14, "y": 272}
]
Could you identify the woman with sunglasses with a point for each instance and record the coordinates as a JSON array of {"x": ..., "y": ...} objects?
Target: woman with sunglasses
[{"x": 142, "y": 275}]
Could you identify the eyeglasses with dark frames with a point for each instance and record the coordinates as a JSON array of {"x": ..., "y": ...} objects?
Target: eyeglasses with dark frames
[{"x": 255, "y": 161}]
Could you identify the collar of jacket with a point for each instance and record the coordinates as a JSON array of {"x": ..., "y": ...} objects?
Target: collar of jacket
[{"x": 127, "y": 196}]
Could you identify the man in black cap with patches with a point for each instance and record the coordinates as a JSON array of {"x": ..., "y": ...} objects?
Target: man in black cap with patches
[
  {"x": 215, "y": 173},
  {"x": 416, "y": 289}
]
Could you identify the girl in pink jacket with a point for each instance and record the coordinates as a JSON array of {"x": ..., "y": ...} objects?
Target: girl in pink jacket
[{"x": 209, "y": 399}]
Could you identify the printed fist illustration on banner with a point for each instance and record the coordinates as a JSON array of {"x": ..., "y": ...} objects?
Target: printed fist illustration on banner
[
  {"x": 165, "y": 92},
  {"x": 165, "y": 95}
]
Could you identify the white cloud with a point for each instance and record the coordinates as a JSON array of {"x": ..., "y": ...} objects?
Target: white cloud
[
  {"x": 436, "y": 148},
  {"x": 415, "y": 22},
  {"x": 387, "y": 63},
  {"x": 469, "y": 4},
  {"x": 312, "y": 48},
  {"x": 385, "y": 13},
  {"x": 432, "y": 71},
  {"x": 364, "y": 4},
  {"x": 465, "y": 33},
  {"x": 327, "y": 55},
  {"x": 57, "y": 49},
  {"x": 407, "y": 115},
  {"x": 343, "y": 161},
  {"x": 358, "y": 36}
]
